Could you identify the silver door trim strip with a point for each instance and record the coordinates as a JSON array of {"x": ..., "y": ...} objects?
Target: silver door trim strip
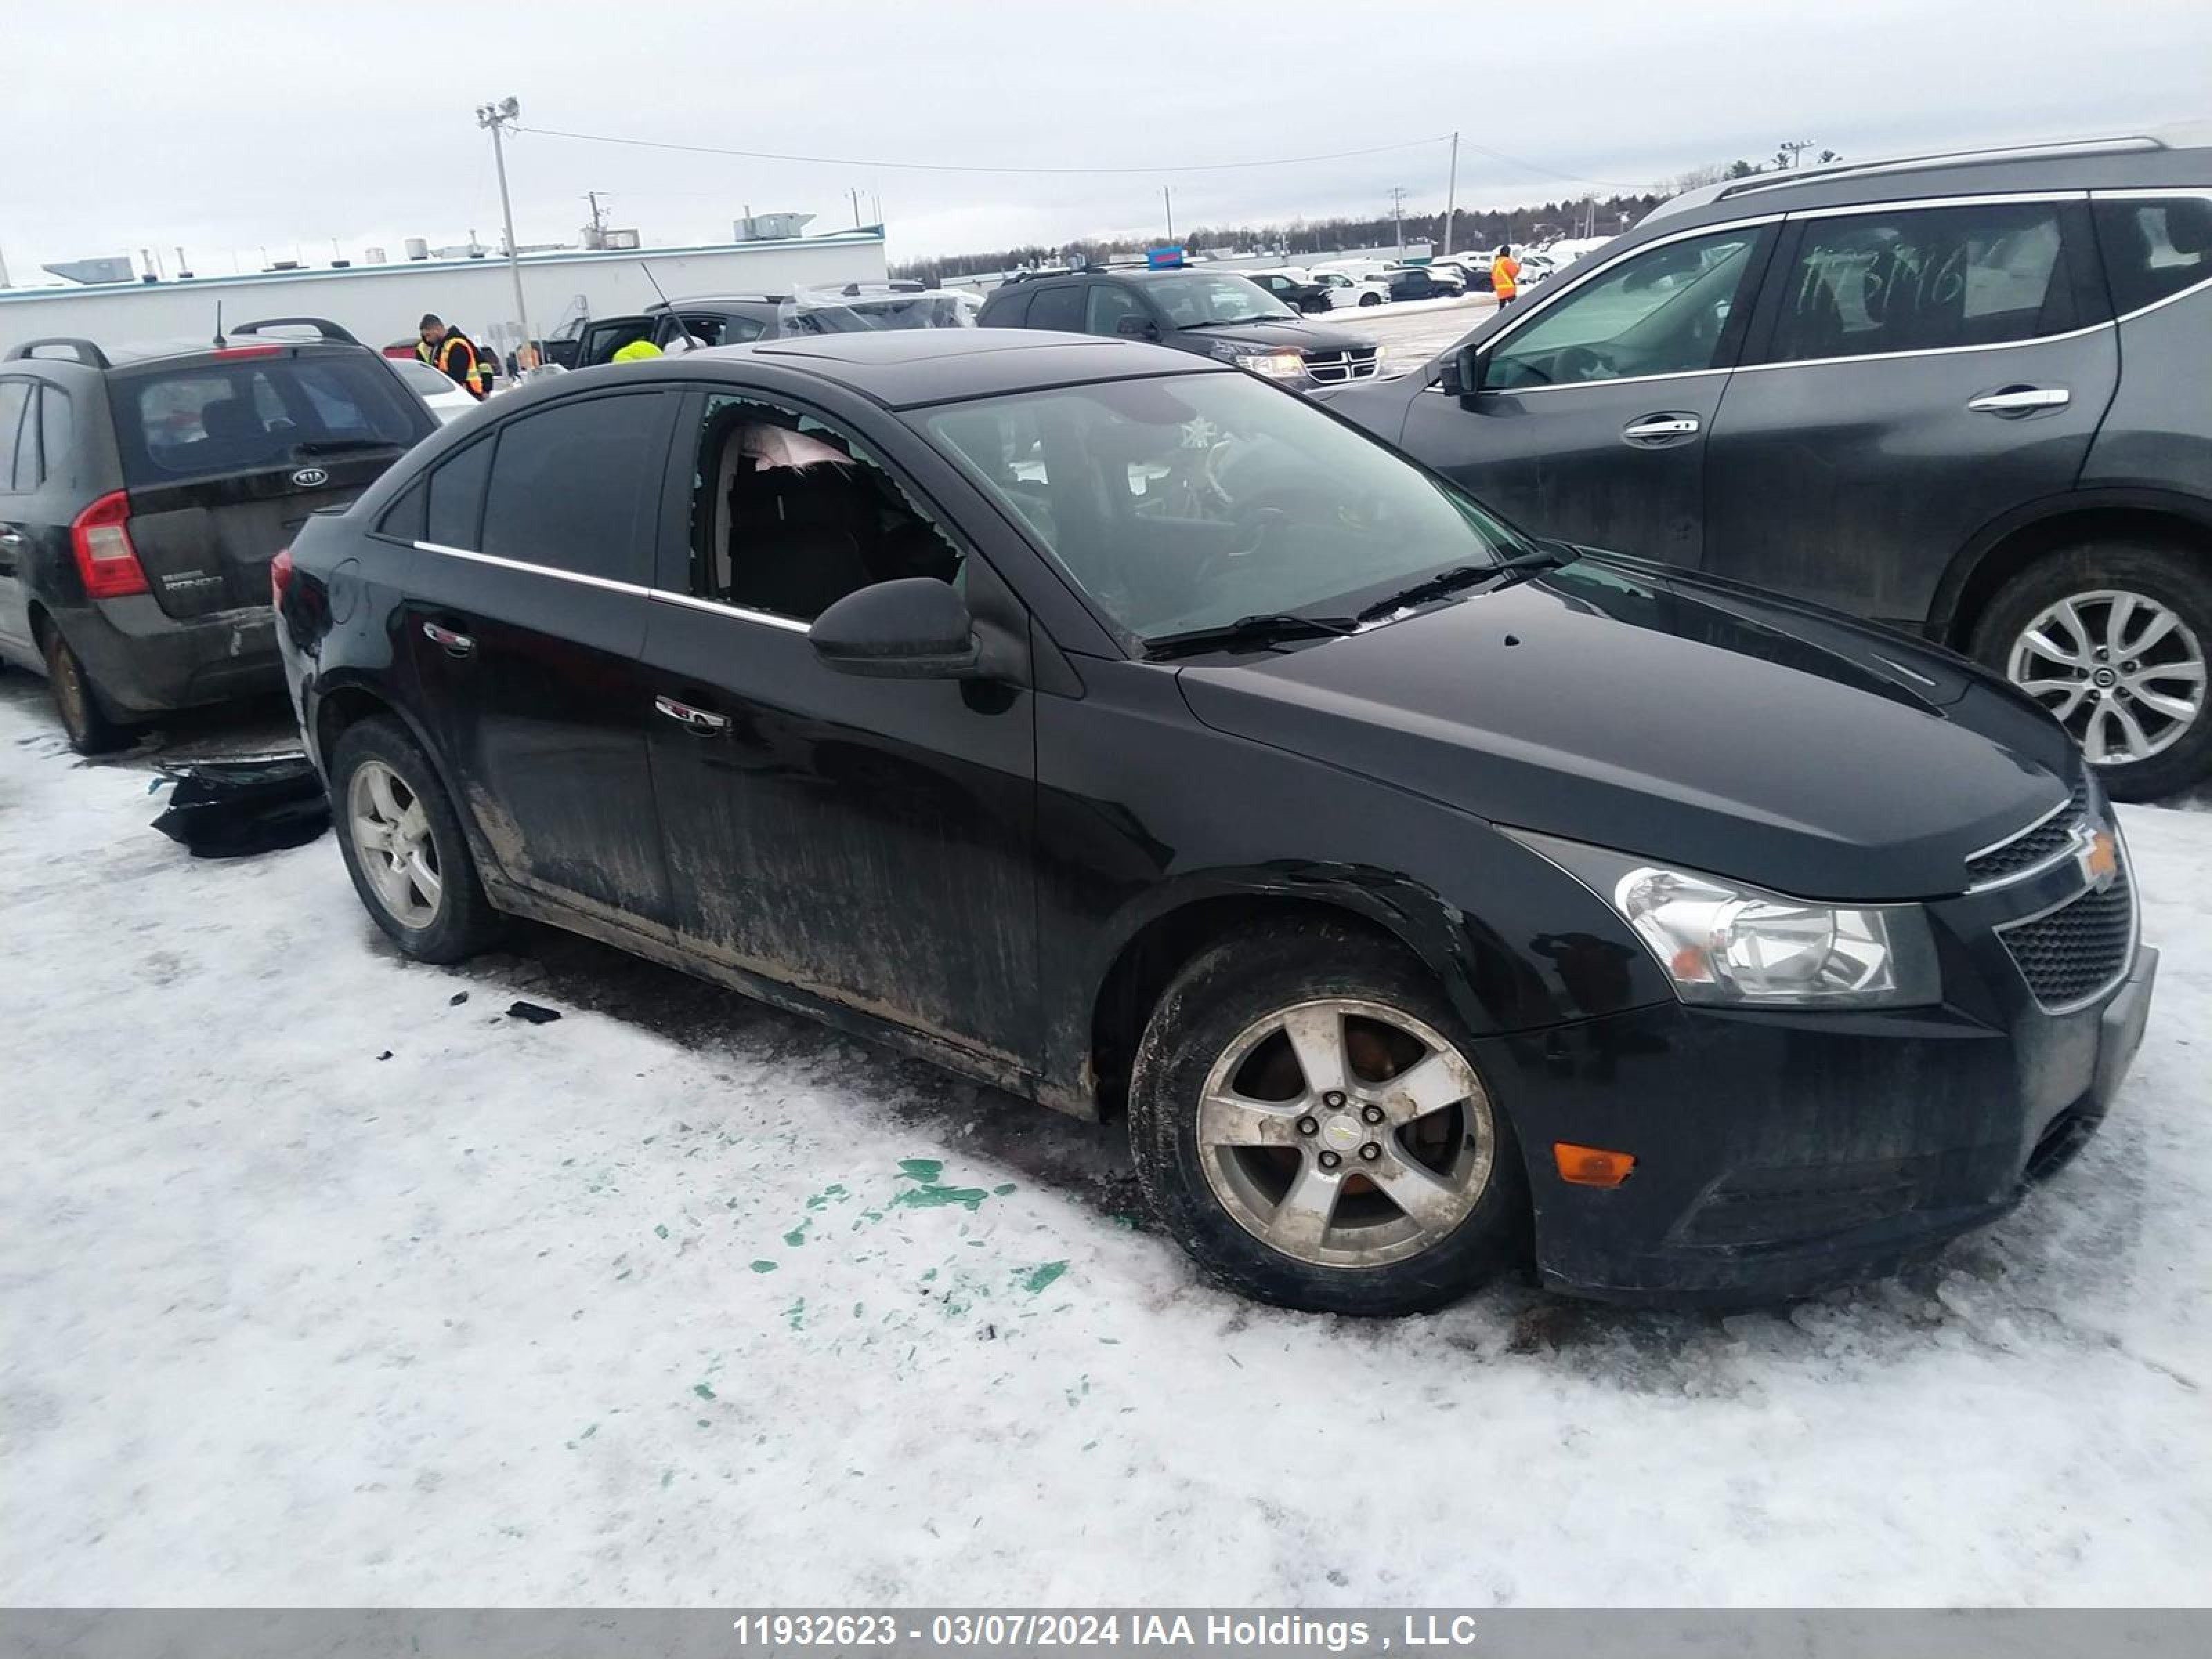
[
  {"x": 1930, "y": 351},
  {"x": 718, "y": 608},
  {"x": 1920, "y": 203},
  {"x": 607, "y": 583}
]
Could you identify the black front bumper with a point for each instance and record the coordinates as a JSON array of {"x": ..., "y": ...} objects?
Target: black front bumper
[{"x": 1779, "y": 1154}]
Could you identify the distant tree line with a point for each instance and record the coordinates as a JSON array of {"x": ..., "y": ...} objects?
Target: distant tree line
[{"x": 1471, "y": 229}]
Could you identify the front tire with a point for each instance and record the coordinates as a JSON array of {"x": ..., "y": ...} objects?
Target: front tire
[
  {"x": 2113, "y": 638},
  {"x": 1371, "y": 299},
  {"x": 1306, "y": 1122},
  {"x": 405, "y": 848},
  {"x": 78, "y": 701}
]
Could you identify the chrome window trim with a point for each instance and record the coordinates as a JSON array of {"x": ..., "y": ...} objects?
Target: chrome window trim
[
  {"x": 1927, "y": 352},
  {"x": 722, "y": 608},
  {"x": 606, "y": 583},
  {"x": 1926, "y": 204}
]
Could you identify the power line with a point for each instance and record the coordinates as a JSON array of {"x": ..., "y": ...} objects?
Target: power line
[{"x": 953, "y": 167}]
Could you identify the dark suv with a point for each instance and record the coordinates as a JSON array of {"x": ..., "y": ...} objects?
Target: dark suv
[
  {"x": 1965, "y": 395},
  {"x": 1137, "y": 736},
  {"x": 1217, "y": 314},
  {"x": 142, "y": 493}
]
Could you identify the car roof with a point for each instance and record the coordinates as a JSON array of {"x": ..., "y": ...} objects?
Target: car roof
[
  {"x": 2180, "y": 157},
  {"x": 906, "y": 369}
]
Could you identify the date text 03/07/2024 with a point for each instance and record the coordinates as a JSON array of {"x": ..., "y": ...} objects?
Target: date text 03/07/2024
[{"x": 1416, "y": 1632}]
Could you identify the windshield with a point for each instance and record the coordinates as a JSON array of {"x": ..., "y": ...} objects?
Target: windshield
[
  {"x": 1193, "y": 500},
  {"x": 1196, "y": 302}
]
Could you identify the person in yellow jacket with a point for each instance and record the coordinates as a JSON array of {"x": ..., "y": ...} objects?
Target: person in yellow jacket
[
  {"x": 635, "y": 350},
  {"x": 453, "y": 354},
  {"x": 1505, "y": 277}
]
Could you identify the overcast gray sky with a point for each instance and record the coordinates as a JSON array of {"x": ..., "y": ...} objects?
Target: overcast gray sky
[{"x": 233, "y": 125}]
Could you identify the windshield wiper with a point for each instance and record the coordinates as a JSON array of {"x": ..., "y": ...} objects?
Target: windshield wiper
[
  {"x": 1262, "y": 630},
  {"x": 1238, "y": 322},
  {"x": 1507, "y": 571}
]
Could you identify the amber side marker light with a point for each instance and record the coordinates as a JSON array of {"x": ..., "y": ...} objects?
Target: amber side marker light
[{"x": 1591, "y": 1166}]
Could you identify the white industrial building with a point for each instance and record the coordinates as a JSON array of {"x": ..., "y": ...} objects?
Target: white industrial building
[{"x": 380, "y": 304}]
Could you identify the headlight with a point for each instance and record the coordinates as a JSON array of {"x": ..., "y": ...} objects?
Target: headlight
[
  {"x": 1724, "y": 941},
  {"x": 1276, "y": 365}
]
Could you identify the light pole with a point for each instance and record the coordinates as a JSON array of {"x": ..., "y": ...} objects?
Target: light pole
[
  {"x": 1451, "y": 194},
  {"x": 497, "y": 117}
]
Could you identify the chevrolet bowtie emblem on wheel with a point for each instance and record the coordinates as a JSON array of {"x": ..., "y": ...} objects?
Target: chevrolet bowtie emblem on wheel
[
  {"x": 2100, "y": 859},
  {"x": 308, "y": 476}
]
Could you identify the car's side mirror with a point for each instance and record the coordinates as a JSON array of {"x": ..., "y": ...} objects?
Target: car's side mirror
[
  {"x": 1138, "y": 328},
  {"x": 1461, "y": 376},
  {"x": 914, "y": 629}
]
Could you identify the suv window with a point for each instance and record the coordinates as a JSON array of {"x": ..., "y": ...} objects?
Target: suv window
[
  {"x": 1660, "y": 311},
  {"x": 14, "y": 399},
  {"x": 1108, "y": 304},
  {"x": 1985, "y": 274},
  {"x": 29, "y": 474},
  {"x": 1058, "y": 307},
  {"x": 710, "y": 328},
  {"x": 2154, "y": 249},
  {"x": 570, "y": 485},
  {"x": 209, "y": 418},
  {"x": 790, "y": 514},
  {"x": 455, "y": 513},
  {"x": 57, "y": 429}
]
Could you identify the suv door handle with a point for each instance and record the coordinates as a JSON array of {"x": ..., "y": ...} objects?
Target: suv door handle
[
  {"x": 696, "y": 719},
  {"x": 2017, "y": 400},
  {"x": 456, "y": 644},
  {"x": 1658, "y": 428}
]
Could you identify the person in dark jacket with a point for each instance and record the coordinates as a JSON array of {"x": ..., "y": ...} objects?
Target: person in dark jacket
[{"x": 453, "y": 354}]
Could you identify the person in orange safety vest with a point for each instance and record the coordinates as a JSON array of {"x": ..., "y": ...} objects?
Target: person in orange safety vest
[
  {"x": 1505, "y": 277},
  {"x": 454, "y": 355}
]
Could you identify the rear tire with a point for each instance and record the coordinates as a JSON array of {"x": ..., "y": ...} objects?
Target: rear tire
[
  {"x": 2142, "y": 604},
  {"x": 405, "y": 848},
  {"x": 78, "y": 701},
  {"x": 1290, "y": 1190}
]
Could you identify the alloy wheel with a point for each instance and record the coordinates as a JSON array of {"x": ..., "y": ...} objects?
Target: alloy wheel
[
  {"x": 391, "y": 838},
  {"x": 1346, "y": 1134},
  {"x": 2122, "y": 672}
]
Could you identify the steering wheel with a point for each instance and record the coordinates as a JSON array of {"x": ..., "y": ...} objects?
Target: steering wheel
[{"x": 1581, "y": 363}]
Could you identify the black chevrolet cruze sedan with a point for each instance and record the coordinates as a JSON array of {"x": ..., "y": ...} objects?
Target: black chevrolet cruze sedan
[{"x": 1112, "y": 727}]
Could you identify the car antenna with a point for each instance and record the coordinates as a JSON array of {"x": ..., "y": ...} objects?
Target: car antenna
[
  {"x": 689, "y": 339},
  {"x": 218, "y": 341}
]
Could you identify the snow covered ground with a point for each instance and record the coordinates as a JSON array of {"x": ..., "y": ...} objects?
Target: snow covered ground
[{"x": 322, "y": 1281}]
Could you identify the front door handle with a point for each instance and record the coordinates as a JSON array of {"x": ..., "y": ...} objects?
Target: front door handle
[
  {"x": 456, "y": 644},
  {"x": 697, "y": 719},
  {"x": 1661, "y": 428},
  {"x": 2017, "y": 400}
]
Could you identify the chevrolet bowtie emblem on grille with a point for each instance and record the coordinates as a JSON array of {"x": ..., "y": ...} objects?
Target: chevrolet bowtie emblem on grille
[{"x": 2100, "y": 859}]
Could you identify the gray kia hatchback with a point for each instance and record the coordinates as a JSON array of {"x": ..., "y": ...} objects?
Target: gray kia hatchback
[{"x": 1968, "y": 395}]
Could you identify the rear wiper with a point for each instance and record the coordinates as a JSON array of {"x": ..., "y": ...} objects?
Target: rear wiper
[
  {"x": 1249, "y": 631},
  {"x": 339, "y": 446},
  {"x": 1505, "y": 572}
]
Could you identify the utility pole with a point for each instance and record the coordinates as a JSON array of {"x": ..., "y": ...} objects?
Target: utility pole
[
  {"x": 1451, "y": 194},
  {"x": 598, "y": 219},
  {"x": 1168, "y": 200},
  {"x": 497, "y": 117},
  {"x": 1397, "y": 216},
  {"x": 855, "y": 192},
  {"x": 1793, "y": 151}
]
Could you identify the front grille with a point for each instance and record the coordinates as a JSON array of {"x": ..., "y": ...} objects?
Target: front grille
[
  {"x": 1332, "y": 367},
  {"x": 2034, "y": 847},
  {"x": 2079, "y": 950}
]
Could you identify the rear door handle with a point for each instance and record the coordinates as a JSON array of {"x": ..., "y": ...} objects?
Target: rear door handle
[
  {"x": 1661, "y": 428},
  {"x": 456, "y": 644},
  {"x": 697, "y": 719},
  {"x": 2017, "y": 400}
]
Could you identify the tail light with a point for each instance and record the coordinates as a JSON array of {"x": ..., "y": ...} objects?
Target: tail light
[
  {"x": 280, "y": 577},
  {"x": 100, "y": 535}
]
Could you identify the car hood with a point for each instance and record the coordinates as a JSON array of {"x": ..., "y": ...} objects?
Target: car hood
[
  {"x": 1281, "y": 332},
  {"x": 1688, "y": 721}
]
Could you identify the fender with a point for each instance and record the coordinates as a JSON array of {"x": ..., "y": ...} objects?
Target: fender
[
  {"x": 317, "y": 691},
  {"x": 1959, "y": 578}
]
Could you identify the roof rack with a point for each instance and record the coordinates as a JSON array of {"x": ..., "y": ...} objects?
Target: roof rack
[
  {"x": 83, "y": 351},
  {"x": 1957, "y": 158},
  {"x": 322, "y": 326}
]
